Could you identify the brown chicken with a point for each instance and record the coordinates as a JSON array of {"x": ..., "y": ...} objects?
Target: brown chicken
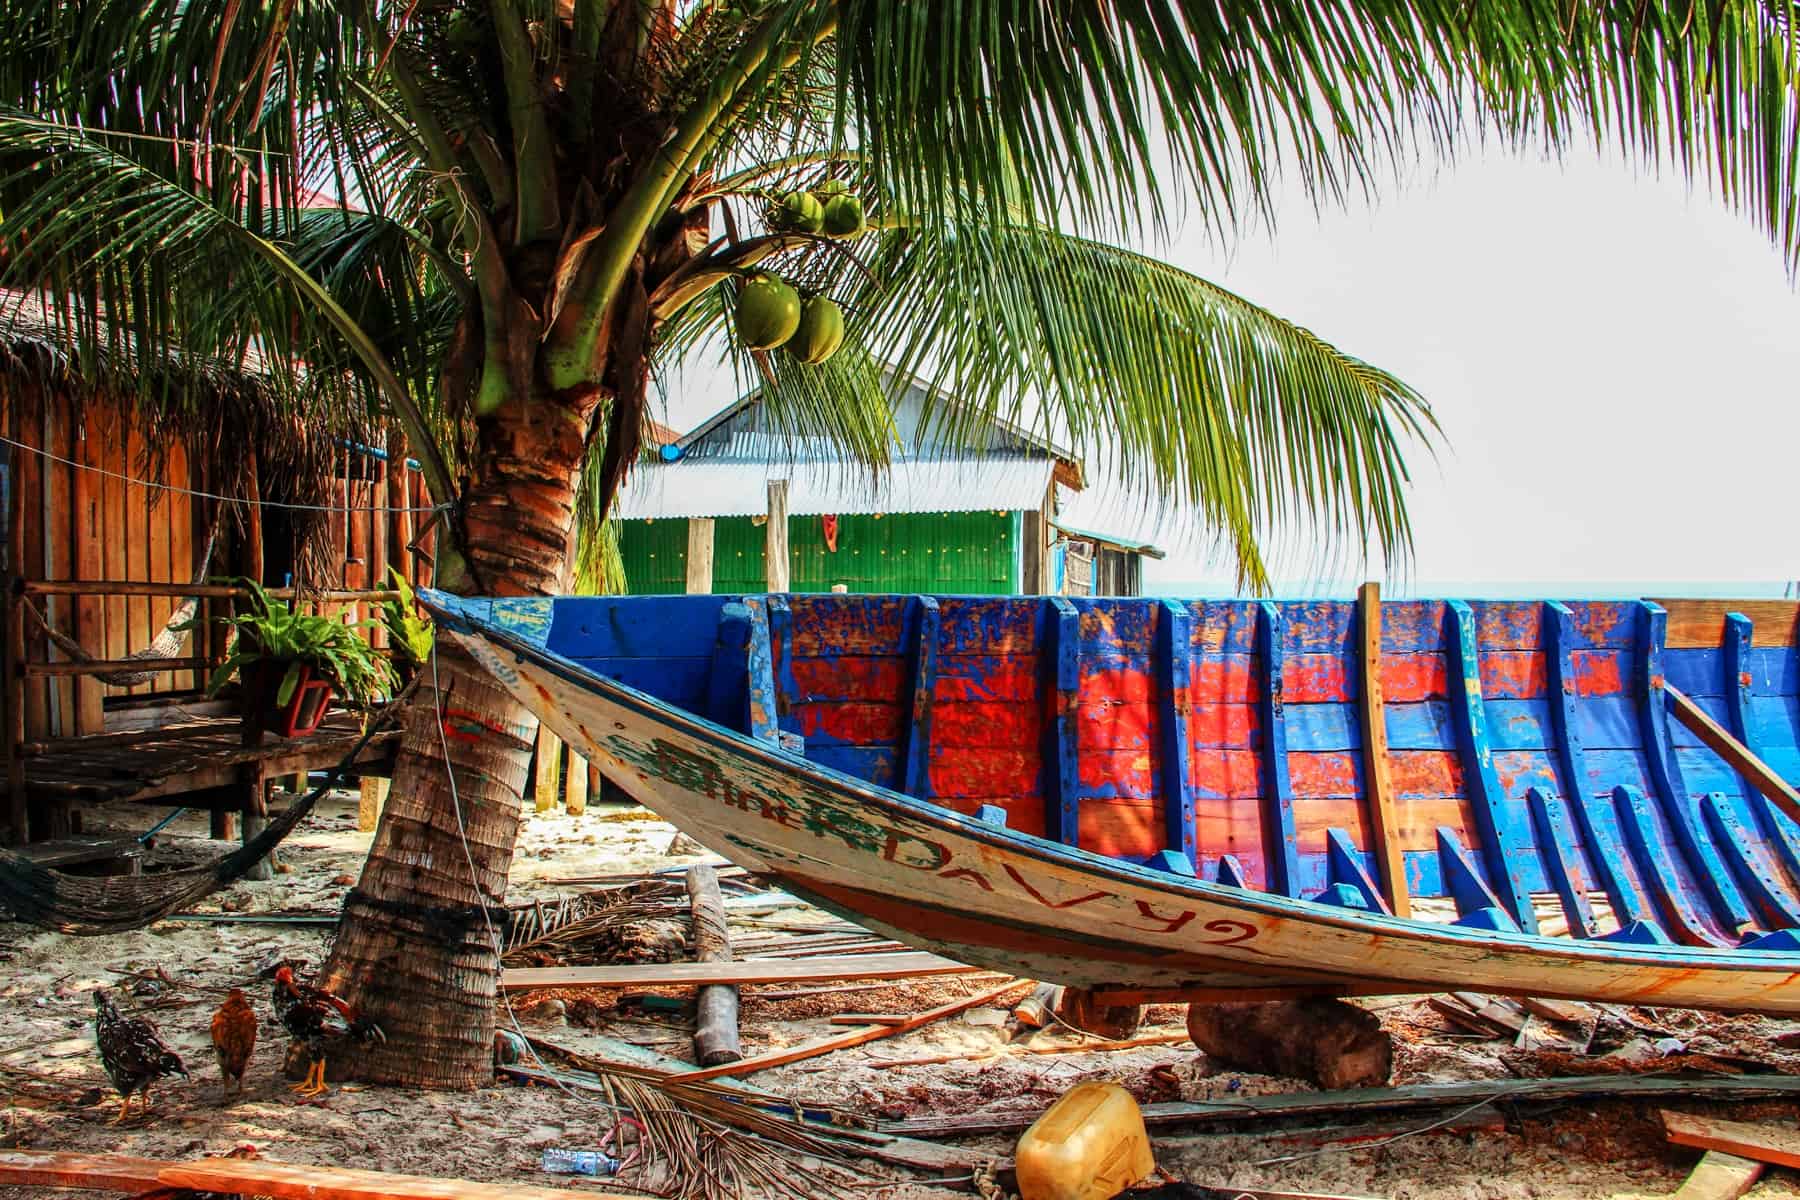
[{"x": 234, "y": 1039}]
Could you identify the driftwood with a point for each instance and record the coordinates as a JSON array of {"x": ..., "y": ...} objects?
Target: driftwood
[
  {"x": 1333, "y": 1044},
  {"x": 716, "y": 1005}
]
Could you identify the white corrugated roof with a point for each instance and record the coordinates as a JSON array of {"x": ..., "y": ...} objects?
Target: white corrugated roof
[{"x": 698, "y": 488}]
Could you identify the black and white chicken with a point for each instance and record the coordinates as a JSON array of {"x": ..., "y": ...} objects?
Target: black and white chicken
[
  {"x": 133, "y": 1053},
  {"x": 312, "y": 1016}
]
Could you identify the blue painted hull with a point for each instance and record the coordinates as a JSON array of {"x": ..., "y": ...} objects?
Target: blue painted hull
[{"x": 1160, "y": 794}]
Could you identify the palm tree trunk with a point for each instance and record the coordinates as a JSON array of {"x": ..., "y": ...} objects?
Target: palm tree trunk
[{"x": 414, "y": 951}]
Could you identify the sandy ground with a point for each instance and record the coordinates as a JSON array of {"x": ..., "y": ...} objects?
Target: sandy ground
[{"x": 52, "y": 1097}]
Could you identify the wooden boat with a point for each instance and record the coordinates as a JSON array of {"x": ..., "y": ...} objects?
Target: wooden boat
[{"x": 1175, "y": 799}]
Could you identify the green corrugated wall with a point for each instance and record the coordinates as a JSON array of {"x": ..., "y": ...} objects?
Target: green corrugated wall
[{"x": 969, "y": 553}]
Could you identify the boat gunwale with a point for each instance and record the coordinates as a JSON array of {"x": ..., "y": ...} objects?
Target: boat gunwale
[{"x": 458, "y": 614}]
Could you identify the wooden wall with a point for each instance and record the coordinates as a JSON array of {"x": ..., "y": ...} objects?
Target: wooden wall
[{"x": 91, "y": 521}]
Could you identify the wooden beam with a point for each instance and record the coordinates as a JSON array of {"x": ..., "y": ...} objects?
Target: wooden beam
[
  {"x": 1282, "y": 841},
  {"x": 106, "y": 666},
  {"x": 372, "y": 799},
  {"x": 1174, "y": 660},
  {"x": 1487, "y": 796},
  {"x": 1762, "y": 777},
  {"x": 1764, "y": 1143},
  {"x": 205, "y": 591},
  {"x": 912, "y": 964},
  {"x": 777, "y": 1058},
  {"x": 1384, "y": 825},
  {"x": 548, "y": 773},
  {"x": 64, "y": 1169},
  {"x": 1062, "y": 818},
  {"x": 700, "y": 555},
  {"x": 1670, "y": 792},
  {"x": 916, "y": 753},
  {"x": 1781, "y": 836},
  {"x": 775, "y": 539}
]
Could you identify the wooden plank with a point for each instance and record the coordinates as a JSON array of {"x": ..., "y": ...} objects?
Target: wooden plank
[
  {"x": 59, "y": 552},
  {"x": 377, "y": 573},
  {"x": 700, "y": 555},
  {"x": 90, "y": 563},
  {"x": 777, "y": 1058},
  {"x": 1282, "y": 841},
  {"x": 1670, "y": 792},
  {"x": 65, "y": 1169},
  {"x": 1763, "y": 1143},
  {"x": 101, "y": 666},
  {"x": 136, "y": 535},
  {"x": 775, "y": 538},
  {"x": 916, "y": 757},
  {"x": 1760, "y": 775},
  {"x": 1719, "y": 1176},
  {"x": 113, "y": 539},
  {"x": 1384, "y": 826},
  {"x": 28, "y": 549},
  {"x": 1174, "y": 659},
  {"x": 913, "y": 964},
  {"x": 284, "y": 1181},
  {"x": 1487, "y": 797},
  {"x": 1062, "y": 807},
  {"x": 1604, "y": 853},
  {"x": 1700, "y": 624}
]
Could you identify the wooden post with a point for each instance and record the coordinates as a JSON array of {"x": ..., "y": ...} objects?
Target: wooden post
[
  {"x": 1384, "y": 828},
  {"x": 12, "y": 685},
  {"x": 549, "y": 758},
  {"x": 575, "y": 785},
  {"x": 256, "y": 817},
  {"x": 700, "y": 556},
  {"x": 90, "y": 610},
  {"x": 775, "y": 534},
  {"x": 716, "y": 1005},
  {"x": 369, "y": 804}
]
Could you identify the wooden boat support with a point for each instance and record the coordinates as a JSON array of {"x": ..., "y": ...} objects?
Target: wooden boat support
[{"x": 1215, "y": 798}]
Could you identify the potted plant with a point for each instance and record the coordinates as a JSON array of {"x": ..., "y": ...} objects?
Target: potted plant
[
  {"x": 410, "y": 635},
  {"x": 291, "y": 664}
]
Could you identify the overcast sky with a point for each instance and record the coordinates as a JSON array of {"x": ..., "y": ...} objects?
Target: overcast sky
[{"x": 1613, "y": 358}]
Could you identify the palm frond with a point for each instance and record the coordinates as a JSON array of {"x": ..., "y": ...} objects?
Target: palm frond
[{"x": 1089, "y": 103}]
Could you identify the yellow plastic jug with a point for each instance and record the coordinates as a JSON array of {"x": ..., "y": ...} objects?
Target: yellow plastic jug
[{"x": 1090, "y": 1145}]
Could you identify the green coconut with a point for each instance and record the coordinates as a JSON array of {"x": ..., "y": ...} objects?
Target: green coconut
[
  {"x": 844, "y": 216},
  {"x": 768, "y": 311},
  {"x": 800, "y": 212},
  {"x": 820, "y": 333},
  {"x": 829, "y": 188}
]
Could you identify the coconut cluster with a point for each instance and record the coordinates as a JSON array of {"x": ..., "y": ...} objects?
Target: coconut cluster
[
  {"x": 831, "y": 209},
  {"x": 771, "y": 313}
]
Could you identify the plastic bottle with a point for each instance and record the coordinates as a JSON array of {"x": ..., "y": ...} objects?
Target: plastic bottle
[
  {"x": 578, "y": 1162},
  {"x": 1090, "y": 1145}
]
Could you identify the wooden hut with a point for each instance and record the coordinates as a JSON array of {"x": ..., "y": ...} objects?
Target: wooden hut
[
  {"x": 967, "y": 506},
  {"x": 123, "y": 502}
]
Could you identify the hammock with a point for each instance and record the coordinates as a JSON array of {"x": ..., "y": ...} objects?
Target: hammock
[
  {"x": 168, "y": 643},
  {"x": 92, "y": 905}
]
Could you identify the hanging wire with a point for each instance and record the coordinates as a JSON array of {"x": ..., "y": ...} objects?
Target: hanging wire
[{"x": 181, "y": 491}]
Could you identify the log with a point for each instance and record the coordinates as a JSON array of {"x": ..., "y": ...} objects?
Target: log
[
  {"x": 716, "y": 1005},
  {"x": 1077, "y": 1007},
  {"x": 1333, "y": 1044}
]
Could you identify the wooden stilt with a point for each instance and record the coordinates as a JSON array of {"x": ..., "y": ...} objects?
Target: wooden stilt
[
  {"x": 549, "y": 761},
  {"x": 575, "y": 787},
  {"x": 369, "y": 804}
]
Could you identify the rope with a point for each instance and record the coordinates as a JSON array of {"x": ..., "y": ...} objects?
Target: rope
[
  {"x": 94, "y": 905},
  {"x": 181, "y": 491},
  {"x": 168, "y": 643}
]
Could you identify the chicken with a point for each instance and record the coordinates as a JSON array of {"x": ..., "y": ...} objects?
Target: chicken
[
  {"x": 234, "y": 1038},
  {"x": 312, "y": 1016},
  {"x": 133, "y": 1053}
]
